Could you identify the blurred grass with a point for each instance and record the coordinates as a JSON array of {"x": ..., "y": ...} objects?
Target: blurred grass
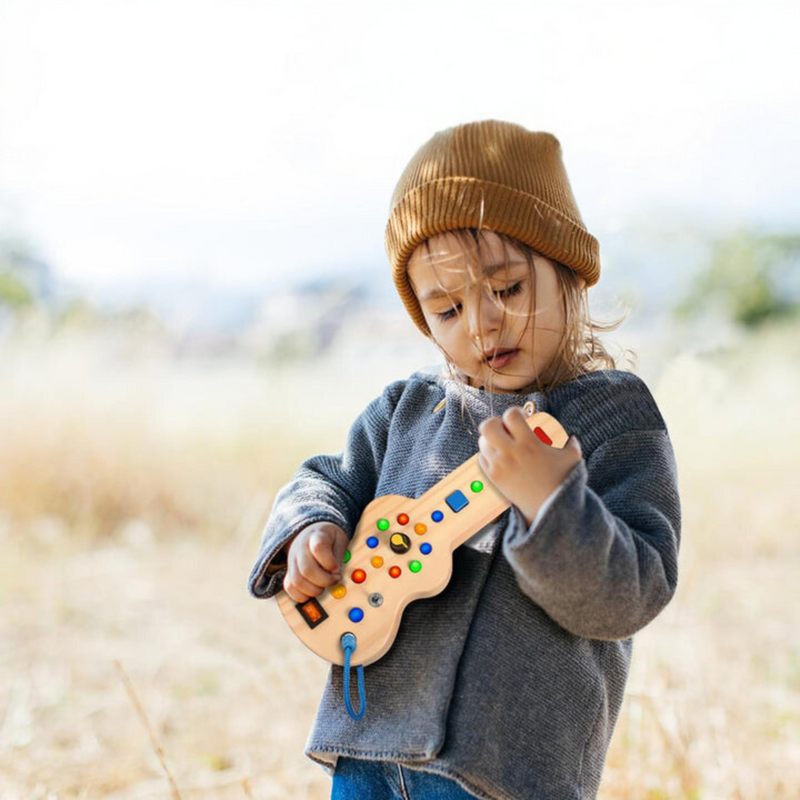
[
  {"x": 133, "y": 488},
  {"x": 181, "y": 446}
]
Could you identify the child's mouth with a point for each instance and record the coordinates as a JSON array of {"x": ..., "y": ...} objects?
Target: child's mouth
[{"x": 499, "y": 361}]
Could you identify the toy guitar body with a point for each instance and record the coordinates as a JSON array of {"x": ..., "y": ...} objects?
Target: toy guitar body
[{"x": 402, "y": 550}]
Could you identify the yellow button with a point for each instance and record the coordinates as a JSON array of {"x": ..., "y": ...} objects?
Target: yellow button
[
  {"x": 377, "y": 561},
  {"x": 420, "y": 528},
  {"x": 338, "y": 591}
]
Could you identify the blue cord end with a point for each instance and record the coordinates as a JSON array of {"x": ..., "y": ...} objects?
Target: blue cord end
[{"x": 349, "y": 646}]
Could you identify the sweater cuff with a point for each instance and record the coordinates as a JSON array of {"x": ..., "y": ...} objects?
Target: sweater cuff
[
  {"x": 547, "y": 503},
  {"x": 520, "y": 531},
  {"x": 279, "y": 562},
  {"x": 267, "y": 576}
]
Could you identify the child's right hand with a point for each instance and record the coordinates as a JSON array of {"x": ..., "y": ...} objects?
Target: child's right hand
[{"x": 314, "y": 560}]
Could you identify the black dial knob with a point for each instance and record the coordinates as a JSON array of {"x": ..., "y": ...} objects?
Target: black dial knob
[{"x": 400, "y": 543}]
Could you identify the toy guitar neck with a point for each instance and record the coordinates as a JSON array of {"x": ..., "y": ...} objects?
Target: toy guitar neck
[{"x": 402, "y": 550}]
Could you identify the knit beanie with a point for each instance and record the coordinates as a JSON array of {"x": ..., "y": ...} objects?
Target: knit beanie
[{"x": 489, "y": 174}]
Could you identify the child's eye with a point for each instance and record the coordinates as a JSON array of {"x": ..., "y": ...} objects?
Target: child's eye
[{"x": 512, "y": 290}]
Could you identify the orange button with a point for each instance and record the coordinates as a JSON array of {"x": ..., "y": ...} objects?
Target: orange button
[
  {"x": 402, "y": 519},
  {"x": 395, "y": 572},
  {"x": 338, "y": 591},
  {"x": 359, "y": 576},
  {"x": 377, "y": 562},
  {"x": 420, "y": 528},
  {"x": 311, "y": 611}
]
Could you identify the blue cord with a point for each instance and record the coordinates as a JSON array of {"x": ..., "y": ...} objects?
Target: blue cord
[{"x": 349, "y": 645}]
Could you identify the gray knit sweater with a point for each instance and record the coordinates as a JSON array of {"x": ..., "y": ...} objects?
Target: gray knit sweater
[{"x": 510, "y": 681}]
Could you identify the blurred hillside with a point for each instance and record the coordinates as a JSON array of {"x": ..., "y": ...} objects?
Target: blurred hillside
[{"x": 707, "y": 288}]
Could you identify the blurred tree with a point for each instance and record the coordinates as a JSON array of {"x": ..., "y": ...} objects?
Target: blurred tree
[
  {"x": 77, "y": 312},
  {"x": 25, "y": 279},
  {"x": 13, "y": 291},
  {"x": 752, "y": 278}
]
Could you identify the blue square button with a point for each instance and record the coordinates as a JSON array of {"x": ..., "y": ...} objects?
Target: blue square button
[{"x": 457, "y": 501}]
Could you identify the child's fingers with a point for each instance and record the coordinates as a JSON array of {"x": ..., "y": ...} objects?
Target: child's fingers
[
  {"x": 321, "y": 545},
  {"x": 293, "y": 585},
  {"x": 340, "y": 545},
  {"x": 575, "y": 443},
  {"x": 309, "y": 568},
  {"x": 307, "y": 576}
]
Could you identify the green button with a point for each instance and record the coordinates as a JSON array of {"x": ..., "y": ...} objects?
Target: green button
[
  {"x": 383, "y": 524},
  {"x": 346, "y": 556},
  {"x": 476, "y": 486},
  {"x": 415, "y": 566}
]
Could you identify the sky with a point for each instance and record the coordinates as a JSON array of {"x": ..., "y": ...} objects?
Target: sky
[{"x": 248, "y": 143}]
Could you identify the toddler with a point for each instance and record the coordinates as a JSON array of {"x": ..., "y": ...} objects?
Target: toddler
[{"x": 509, "y": 682}]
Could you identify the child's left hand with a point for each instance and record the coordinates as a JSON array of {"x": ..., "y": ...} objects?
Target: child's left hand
[{"x": 523, "y": 468}]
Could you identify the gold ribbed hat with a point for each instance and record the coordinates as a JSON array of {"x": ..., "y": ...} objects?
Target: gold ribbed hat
[{"x": 489, "y": 174}]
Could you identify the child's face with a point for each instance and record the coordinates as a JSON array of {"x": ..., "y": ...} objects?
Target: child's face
[{"x": 469, "y": 335}]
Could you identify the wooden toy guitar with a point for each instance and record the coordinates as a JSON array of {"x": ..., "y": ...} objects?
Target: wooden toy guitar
[{"x": 401, "y": 551}]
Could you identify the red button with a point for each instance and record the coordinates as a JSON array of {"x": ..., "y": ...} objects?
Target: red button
[
  {"x": 395, "y": 572},
  {"x": 359, "y": 576},
  {"x": 542, "y": 435},
  {"x": 402, "y": 519}
]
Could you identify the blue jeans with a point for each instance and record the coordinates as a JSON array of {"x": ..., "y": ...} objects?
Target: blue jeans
[{"x": 358, "y": 779}]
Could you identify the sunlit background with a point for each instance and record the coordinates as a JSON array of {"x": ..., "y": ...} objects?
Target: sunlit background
[{"x": 194, "y": 297}]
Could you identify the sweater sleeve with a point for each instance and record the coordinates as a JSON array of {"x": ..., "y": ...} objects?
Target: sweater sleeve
[
  {"x": 325, "y": 488},
  {"x": 547, "y": 503},
  {"x": 602, "y": 560}
]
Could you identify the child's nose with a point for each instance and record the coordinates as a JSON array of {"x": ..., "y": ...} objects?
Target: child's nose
[{"x": 482, "y": 316}]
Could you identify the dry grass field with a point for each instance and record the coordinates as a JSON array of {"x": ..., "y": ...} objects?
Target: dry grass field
[{"x": 133, "y": 489}]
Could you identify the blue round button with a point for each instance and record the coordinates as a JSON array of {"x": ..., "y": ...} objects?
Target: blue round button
[
  {"x": 372, "y": 541},
  {"x": 437, "y": 516},
  {"x": 425, "y": 548},
  {"x": 356, "y": 615}
]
